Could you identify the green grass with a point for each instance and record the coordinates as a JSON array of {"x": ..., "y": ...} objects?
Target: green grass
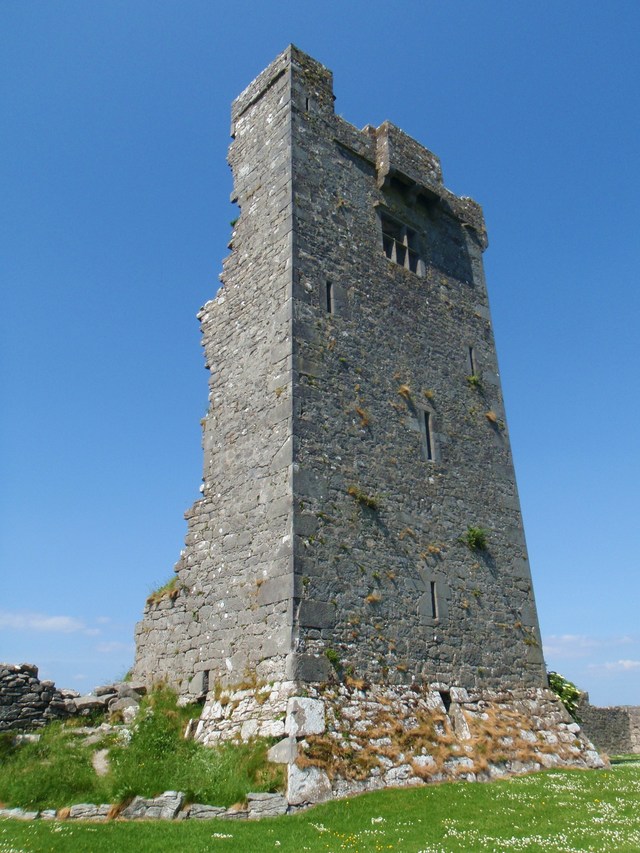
[
  {"x": 554, "y": 811},
  {"x": 57, "y": 771}
]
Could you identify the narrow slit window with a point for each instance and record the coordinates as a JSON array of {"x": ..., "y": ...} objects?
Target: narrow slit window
[
  {"x": 329, "y": 298},
  {"x": 472, "y": 361},
  {"x": 306, "y": 104},
  {"x": 428, "y": 439},
  {"x": 434, "y": 600}
]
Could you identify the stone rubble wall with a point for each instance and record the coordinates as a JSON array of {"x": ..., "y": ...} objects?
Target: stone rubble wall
[
  {"x": 25, "y": 701},
  {"x": 340, "y": 738},
  {"x": 346, "y": 738},
  {"x": 168, "y": 806},
  {"x": 615, "y": 730}
]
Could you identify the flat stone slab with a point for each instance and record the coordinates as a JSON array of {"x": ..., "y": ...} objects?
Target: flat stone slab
[
  {"x": 164, "y": 807},
  {"x": 304, "y": 717},
  {"x": 308, "y": 785},
  {"x": 89, "y": 811},
  {"x": 284, "y": 752},
  {"x": 266, "y": 805},
  {"x": 199, "y": 811},
  {"x": 86, "y": 704},
  {"x": 19, "y": 814}
]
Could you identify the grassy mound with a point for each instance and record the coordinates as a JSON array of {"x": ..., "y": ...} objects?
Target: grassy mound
[
  {"x": 561, "y": 811},
  {"x": 57, "y": 770}
]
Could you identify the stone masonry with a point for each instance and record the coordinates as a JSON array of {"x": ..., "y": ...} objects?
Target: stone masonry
[
  {"x": 615, "y": 729},
  {"x": 25, "y": 701},
  {"x": 359, "y": 523}
]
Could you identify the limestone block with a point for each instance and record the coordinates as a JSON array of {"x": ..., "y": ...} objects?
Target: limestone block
[
  {"x": 26, "y": 738},
  {"x": 249, "y": 729},
  {"x": 459, "y": 721},
  {"x": 86, "y": 704},
  {"x": 424, "y": 762},
  {"x": 266, "y": 805},
  {"x": 130, "y": 691},
  {"x": 316, "y": 614},
  {"x": 309, "y": 668},
  {"x": 272, "y": 728},
  {"x": 304, "y": 717},
  {"x": 122, "y": 705},
  {"x": 199, "y": 684},
  {"x": 459, "y": 694},
  {"x": 100, "y": 762},
  {"x": 284, "y": 752},
  {"x": 18, "y": 814},
  {"x": 454, "y": 764},
  {"x": 48, "y": 814},
  {"x": 164, "y": 807},
  {"x": 198, "y": 811},
  {"x": 399, "y": 774},
  {"x": 88, "y": 811},
  {"x": 308, "y": 785}
]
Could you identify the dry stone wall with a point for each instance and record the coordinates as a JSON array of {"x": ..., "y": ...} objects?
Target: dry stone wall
[
  {"x": 25, "y": 701},
  {"x": 615, "y": 730}
]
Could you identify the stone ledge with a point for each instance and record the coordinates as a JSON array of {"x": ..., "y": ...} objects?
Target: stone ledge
[{"x": 168, "y": 806}]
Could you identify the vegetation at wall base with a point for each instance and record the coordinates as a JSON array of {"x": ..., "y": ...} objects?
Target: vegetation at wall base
[
  {"x": 57, "y": 771},
  {"x": 552, "y": 811}
]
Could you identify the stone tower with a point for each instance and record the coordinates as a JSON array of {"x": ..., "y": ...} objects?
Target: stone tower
[{"x": 359, "y": 522}]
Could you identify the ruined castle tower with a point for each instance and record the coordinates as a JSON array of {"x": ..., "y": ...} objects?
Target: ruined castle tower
[{"x": 359, "y": 520}]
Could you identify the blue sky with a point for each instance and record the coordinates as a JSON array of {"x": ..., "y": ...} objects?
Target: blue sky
[{"x": 114, "y": 222}]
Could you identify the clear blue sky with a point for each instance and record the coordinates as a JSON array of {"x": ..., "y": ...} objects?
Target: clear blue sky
[{"x": 114, "y": 221}]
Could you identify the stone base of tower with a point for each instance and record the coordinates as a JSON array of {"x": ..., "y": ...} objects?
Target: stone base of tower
[{"x": 337, "y": 740}]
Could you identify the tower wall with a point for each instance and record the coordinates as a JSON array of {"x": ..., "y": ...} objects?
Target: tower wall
[
  {"x": 326, "y": 538},
  {"x": 355, "y": 580},
  {"x": 384, "y": 349},
  {"x": 230, "y": 612}
]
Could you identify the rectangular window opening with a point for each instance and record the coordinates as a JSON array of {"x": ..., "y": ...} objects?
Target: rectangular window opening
[
  {"x": 400, "y": 244},
  {"x": 428, "y": 441},
  {"x": 434, "y": 600},
  {"x": 329, "y": 298}
]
